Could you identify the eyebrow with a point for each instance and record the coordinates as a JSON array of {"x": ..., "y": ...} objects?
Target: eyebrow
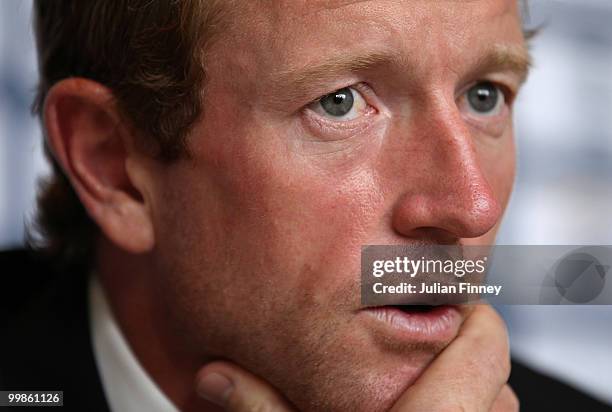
[
  {"x": 302, "y": 81},
  {"x": 331, "y": 69},
  {"x": 512, "y": 58}
]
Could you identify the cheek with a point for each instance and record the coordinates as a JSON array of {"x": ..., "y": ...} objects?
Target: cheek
[
  {"x": 256, "y": 214},
  {"x": 285, "y": 196},
  {"x": 262, "y": 239},
  {"x": 498, "y": 164},
  {"x": 507, "y": 170},
  {"x": 301, "y": 214}
]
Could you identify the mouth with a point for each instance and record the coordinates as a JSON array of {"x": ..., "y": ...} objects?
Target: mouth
[
  {"x": 423, "y": 323},
  {"x": 415, "y": 308}
]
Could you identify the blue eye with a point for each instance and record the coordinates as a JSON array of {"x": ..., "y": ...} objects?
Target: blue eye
[
  {"x": 338, "y": 103},
  {"x": 485, "y": 98},
  {"x": 342, "y": 105}
]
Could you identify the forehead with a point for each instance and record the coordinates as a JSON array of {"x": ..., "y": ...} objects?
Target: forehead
[
  {"x": 280, "y": 21},
  {"x": 286, "y": 35}
]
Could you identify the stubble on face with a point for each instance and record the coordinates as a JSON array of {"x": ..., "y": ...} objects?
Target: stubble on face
[{"x": 261, "y": 265}]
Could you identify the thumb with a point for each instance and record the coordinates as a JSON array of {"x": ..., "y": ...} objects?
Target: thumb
[{"x": 237, "y": 390}]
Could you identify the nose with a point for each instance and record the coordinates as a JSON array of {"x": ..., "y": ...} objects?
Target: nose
[{"x": 445, "y": 193}]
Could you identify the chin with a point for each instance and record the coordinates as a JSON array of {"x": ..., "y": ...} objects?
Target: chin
[
  {"x": 345, "y": 371},
  {"x": 367, "y": 363},
  {"x": 357, "y": 390}
]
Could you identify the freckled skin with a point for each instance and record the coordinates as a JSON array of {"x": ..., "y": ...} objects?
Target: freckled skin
[{"x": 258, "y": 234}]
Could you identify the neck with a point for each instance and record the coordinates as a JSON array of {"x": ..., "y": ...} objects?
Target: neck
[{"x": 129, "y": 284}]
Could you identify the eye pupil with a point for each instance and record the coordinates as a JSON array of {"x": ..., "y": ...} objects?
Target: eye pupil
[
  {"x": 338, "y": 103},
  {"x": 483, "y": 97}
]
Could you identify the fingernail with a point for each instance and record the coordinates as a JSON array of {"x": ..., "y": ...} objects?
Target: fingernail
[{"x": 215, "y": 388}]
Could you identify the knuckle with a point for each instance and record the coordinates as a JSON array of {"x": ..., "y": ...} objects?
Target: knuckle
[
  {"x": 454, "y": 408},
  {"x": 497, "y": 366},
  {"x": 513, "y": 401},
  {"x": 261, "y": 408},
  {"x": 259, "y": 404},
  {"x": 506, "y": 401},
  {"x": 494, "y": 357}
]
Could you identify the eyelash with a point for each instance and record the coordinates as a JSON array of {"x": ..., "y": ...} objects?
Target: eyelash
[
  {"x": 490, "y": 125},
  {"x": 508, "y": 92},
  {"x": 363, "y": 88},
  {"x": 343, "y": 128}
]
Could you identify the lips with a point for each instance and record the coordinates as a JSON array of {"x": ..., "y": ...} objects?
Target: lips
[{"x": 416, "y": 322}]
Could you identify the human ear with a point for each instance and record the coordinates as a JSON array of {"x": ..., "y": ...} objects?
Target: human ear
[{"x": 96, "y": 151}]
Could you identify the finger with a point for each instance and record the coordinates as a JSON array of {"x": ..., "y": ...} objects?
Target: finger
[
  {"x": 506, "y": 401},
  {"x": 236, "y": 390},
  {"x": 467, "y": 375}
]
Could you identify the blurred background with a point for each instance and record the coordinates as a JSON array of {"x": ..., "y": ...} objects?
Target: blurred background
[{"x": 563, "y": 191}]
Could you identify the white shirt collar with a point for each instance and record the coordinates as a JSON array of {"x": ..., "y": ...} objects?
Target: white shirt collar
[{"x": 127, "y": 385}]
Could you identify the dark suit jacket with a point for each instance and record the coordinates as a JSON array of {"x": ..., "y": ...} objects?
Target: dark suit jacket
[{"x": 45, "y": 343}]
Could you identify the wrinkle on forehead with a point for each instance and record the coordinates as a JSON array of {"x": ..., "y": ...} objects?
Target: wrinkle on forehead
[
  {"x": 283, "y": 35},
  {"x": 277, "y": 11},
  {"x": 332, "y": 5},
  {"x": 313, "y": 6}
]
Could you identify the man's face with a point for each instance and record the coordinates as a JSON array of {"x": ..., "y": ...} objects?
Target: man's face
[{"x": 259, "y": 233}]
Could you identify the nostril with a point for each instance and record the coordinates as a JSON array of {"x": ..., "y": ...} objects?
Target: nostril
[
  {"x": 483, "y": 214},
  {"x": 432, "y": 234}
]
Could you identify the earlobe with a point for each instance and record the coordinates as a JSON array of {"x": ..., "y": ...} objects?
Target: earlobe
[{"x": 85, "y": 132}]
